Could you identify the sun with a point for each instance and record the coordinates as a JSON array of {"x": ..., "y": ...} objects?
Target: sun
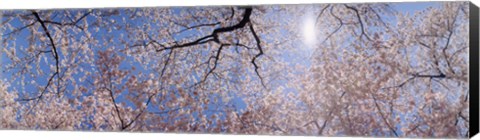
[{"x": 309, "y": 31}]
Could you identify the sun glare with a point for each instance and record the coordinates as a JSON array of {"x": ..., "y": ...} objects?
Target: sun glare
[{"x": 309, "y": 32}]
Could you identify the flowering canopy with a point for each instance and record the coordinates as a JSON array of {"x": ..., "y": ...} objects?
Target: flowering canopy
[{"x": 374, "y": 69}]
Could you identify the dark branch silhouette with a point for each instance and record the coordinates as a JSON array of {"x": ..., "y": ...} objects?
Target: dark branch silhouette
[
  {"x": 54, "y": 48},
  {"x": 57, "y": 68},
  {"x": 141, "y": 112},
  {"x": 20, "y": 29},
  {"x": 73, "y": 23},
  {"x": 383, "y": 116},
  {"x": 198, "y": 26},
  {"x": 213, "y": 37},
  {"x": 364, "y": 33}
]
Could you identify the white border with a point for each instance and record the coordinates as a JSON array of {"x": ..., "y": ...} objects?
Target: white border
[
  {"x": 71, "y": 135},
  {"x": 43, "y": 4}
]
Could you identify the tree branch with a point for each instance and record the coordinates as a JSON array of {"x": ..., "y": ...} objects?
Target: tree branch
[
  {"x": 141, "y": 112},
  {"x": 41, "y": 94},
  {"x": 383, "y": 116},
  {"x": 73, "y": 23},
  {"x": 214, "y": 37},
  {"x": 116, "y": 107},
  {"x": 257, "y": 39},
  {"x": 55, "y": 54},
  {"x": 337, "y": 29},
  {"x": 20, "y": 29},
  {"x": 360, "y": 21},
  {"x": 198, "y": 26}
]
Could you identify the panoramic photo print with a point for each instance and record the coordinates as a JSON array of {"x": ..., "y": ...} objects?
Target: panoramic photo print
[{"x": 339, "y": 69}]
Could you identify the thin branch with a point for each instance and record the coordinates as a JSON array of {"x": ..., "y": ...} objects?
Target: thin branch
[
  {"x": 320, "y": 129},
  {"x": 141, "y": 112},
  {"x": 456, "y": 52},
  {"x": 167, "y": 111},
  {"x": 166, "y": 63},
  {"x": 41, "y": 94},
  {"x": 441, "y": 75},
  {"x": 257, "y": 39},
  {"x": 424, "y": 45},
  {"x": 214, "y": 35},
  {"x": 20, "y": 29},
  {"x": 233, "y": 13},
  {"x": 341, "y": 23},
  {"x": 383, "y": 116},
  {"x": 199, "y": 41},
  {"x": 115, "y": 106},
  {"x": 431, "y": 35},
  {"x": 360, "y": 21},
  {"x": 55, "y": 54},
  {"x": 197, "y": 26},
  {"x": 321, "y": 13},
  {"x": 216, "y": 57},
  {"x": 378, "y": 17},
  {"x": 436, "y": 63},
  {"x": 74, "y": 24},
  {"x": 444, "y": 50},
  {"x": 329, "y": 116}
]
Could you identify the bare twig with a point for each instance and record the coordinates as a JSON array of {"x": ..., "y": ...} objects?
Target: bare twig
[
  {"x": 55, "y": 54},
  {"x": 364, "y": 33}
]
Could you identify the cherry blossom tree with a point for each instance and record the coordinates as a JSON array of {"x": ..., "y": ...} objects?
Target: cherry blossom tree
[{"x": 407, "y": 79}]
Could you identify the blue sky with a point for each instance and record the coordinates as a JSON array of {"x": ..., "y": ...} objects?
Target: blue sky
[{"x": 411, "y": 7}]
